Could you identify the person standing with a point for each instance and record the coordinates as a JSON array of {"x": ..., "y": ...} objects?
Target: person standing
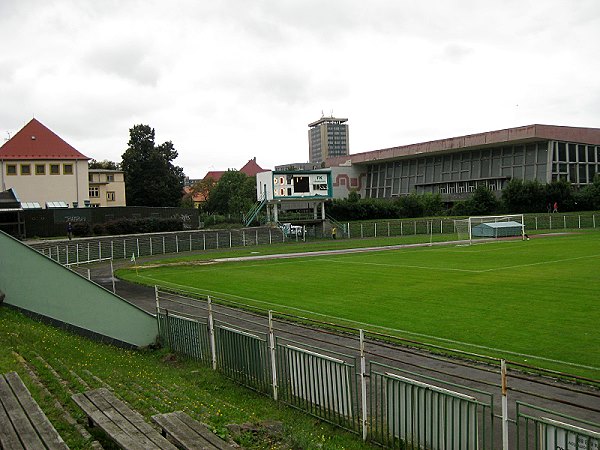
[
  {"x": 70, "y": 230},
  {"x": 333, "y": 232},
  {"x": 555, "y": 207}
]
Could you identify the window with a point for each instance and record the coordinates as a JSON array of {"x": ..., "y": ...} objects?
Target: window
[
  {"x": 40, "y": 169},
  {"x": 110, "y": 196},
  {"x": 25, "y": 169},
  {"x": 110, "y": 178},
  {"x": 54, "y": 169},
  {"x": 67, "y": 169},
  {"x": 94, "y": 192},
  {"x": 11, "y": 169}
]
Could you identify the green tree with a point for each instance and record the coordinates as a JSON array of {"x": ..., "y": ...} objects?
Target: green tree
[
  {"x": 483, "y": 202},
  {"x": 151, "y": 179},
  {"x": 561, "y": 192},
  {"x": 588, "y": 197},
  {"x": 410, "y": 206},
  {"x": 234, "y": 194},
  {"x": 105, "y": 164},
  {"x": 204, "y": 187},
  {"x": 520, "y": 196}
]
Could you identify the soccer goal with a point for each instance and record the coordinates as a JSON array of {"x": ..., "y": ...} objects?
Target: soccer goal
[{"x": 490, "y": 227}]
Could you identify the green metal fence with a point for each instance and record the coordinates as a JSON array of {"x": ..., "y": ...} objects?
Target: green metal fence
[
  {"x": 323, "y": 385},
  {"x": 544, "y": 429},
  {"x": 407, "y": 405},
  {"x": 408, "y": 413},
  {"x": 185, "y": 336},
  {"x": 243, "y": 357}
]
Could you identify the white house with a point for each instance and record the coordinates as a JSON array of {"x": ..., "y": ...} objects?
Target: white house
[{"x": 41, "y": 167}]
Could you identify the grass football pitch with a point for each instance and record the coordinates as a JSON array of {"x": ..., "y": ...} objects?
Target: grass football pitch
[{"x": 536, "y": 301}]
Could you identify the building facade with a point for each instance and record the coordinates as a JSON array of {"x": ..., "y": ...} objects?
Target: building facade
[
  {"x": 40, "y": 167},
  {"x": 328, "y": 138},
  {"x": 455, "y": 167},
  {"x": 106, "y": 187}
]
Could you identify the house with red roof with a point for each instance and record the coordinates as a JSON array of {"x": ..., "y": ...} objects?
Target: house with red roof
[{"x": 41, "y": 167}]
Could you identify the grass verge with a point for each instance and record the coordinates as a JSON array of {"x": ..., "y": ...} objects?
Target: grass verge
[{"x": 151, "y": 381}]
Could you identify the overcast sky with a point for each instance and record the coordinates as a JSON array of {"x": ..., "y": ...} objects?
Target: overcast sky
[{"x": 230, "y": 80}]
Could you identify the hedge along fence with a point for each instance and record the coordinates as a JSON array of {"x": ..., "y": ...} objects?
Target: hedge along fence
[
  {"x": 407, "y": 227},
  {"x": 122, "y": 247}
]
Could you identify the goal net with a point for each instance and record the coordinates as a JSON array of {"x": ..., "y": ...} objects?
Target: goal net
[{"x": 490, "y": 227}]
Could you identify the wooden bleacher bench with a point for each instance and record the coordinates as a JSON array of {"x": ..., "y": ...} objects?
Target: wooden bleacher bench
[
  {"x": 188, "y": 433},
  {"x": 22, "y": 422},
  {"x": 126, "y": 427}
]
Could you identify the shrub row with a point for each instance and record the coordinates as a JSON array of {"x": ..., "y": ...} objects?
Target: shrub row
[{"x": 128, "y": 226}]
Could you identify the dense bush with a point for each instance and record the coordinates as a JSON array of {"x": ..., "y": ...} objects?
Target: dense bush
[{"x": 81, "y": 229}]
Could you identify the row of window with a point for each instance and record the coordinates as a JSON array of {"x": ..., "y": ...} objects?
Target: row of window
[
  {"x": 109, "y": 178},
  {"x": 95, "y": 193},
  {"x": 39, "y": 169}
]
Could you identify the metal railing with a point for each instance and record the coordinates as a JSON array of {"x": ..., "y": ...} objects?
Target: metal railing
[
  {"x": 394, "y": 392},
  {"x": 407, "y": 227},
  {"x": 125, "y": 247}
]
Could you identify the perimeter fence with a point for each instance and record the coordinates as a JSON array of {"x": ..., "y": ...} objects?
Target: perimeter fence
[
  {"x": 394, "y": 392},
  {"x": 130, "y": 246},
  {"x": 134, "y": 246},
  {"x": 444, "y": 225}
]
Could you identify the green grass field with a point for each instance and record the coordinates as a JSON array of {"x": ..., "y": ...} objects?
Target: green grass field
[{"x": 535, "y": 301}]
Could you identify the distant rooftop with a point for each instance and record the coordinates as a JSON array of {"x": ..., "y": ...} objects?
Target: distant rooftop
[
  {"x": 528, "y": 133},
  {"x": 330, "y": 119}
]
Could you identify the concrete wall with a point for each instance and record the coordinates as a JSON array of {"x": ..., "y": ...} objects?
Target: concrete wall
[{"x": 37, "y": 284}]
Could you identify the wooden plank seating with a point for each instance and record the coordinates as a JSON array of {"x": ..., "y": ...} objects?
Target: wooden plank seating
[
  {"x": 23, "y": 425},
  {"x": 126, "y": 427},
  {"x": 188, "y": 433}
]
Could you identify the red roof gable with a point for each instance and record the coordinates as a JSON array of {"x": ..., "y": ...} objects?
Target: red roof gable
[
  {"x": 251, "y": 168},
  {"x": 35, "y": 141}
]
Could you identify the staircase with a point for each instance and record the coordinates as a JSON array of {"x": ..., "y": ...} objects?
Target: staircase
[
  {"x": 256, "y": 208},
  {"x": 341, "y": 227}
]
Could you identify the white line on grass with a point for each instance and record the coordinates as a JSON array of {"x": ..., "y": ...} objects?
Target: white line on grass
[
  {"x": 493, "y": 269},
  {"x": 553, "y": 261},
  {"x": 409, "y": 266},
  {"x": 412, "y": 333}
]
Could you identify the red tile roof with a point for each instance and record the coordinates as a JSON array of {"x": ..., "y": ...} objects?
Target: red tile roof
[
  {"x": 251, "y": 168},
  {"x": 197, "y": 197},
  {"x": 35, "y": 141},
  {"x": 214, "y": 174}
]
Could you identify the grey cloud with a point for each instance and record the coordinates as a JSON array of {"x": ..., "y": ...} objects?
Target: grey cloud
[
  {"x": 455, "y": 52},
  {"x": 125, "y": 60}
]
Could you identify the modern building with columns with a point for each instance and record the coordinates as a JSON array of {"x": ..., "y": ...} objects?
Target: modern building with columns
[{"x": 456, "y": 166}]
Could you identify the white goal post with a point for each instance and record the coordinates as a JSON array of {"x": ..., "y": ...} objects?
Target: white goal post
[{"x": 490, "y": 227}]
